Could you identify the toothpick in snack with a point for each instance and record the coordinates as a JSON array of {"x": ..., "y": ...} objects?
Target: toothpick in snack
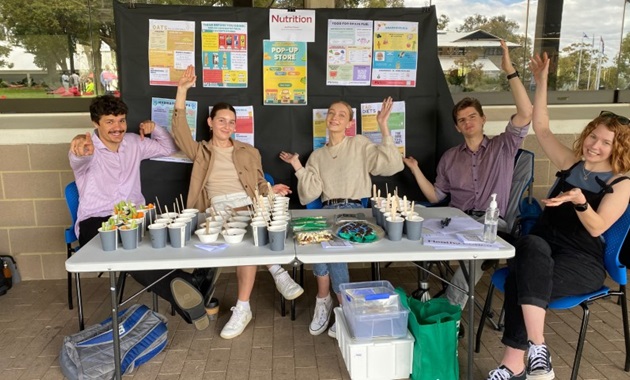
[
  {"x": 374, "y": 191},
  {"x": 378, "y": 198},
  {"x": 182, "y": 199},
  {"x": 386, "y": 189},
  {"x": 392, "y": 214},
  {"x": 413, "y": 204},
  {"x": 166, "y": 208},
  {"x": 158, "y": 205},
  {"x": 270, "y": 193},
  {"x": 405, "y": 204}
]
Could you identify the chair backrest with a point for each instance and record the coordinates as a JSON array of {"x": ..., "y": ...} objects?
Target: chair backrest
[
  {"x": 269, "y": 179},
  {"x": 614, "y": 237},
  {"x": 71, "y": 194},
  {"x": 72, "y": 200},
  {"x": 522, "y": 180}
]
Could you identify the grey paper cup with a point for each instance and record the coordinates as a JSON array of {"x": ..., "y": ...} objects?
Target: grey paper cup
[
  {"x": 177, "y": 234},
  {"x": 109, "y": 239},
  {"x": 277, "y": 236},
  {"x": 259, "y": 230},
  {"x": 158, "y": 232},
  {"x": 194, "y": 215},
  {"x": 129, "y": 238},
  {"x": 188, "y": 223},
  {"x": 394, "y": 228},
  {"x": 414, "y": 227}
]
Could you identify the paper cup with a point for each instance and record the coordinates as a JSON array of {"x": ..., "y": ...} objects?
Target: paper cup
[
  {"x": 177, "y": 234},
  {"x": 259, "y": 231},
  {"x": 129, "y": 238},
  {"x": 158, "y": 233},
  {"x": 394, "y": 227},
  {"x": 413, "y": 224},
  {"x": 109, "y": 239},
  {"x": 277, "y": 236}
]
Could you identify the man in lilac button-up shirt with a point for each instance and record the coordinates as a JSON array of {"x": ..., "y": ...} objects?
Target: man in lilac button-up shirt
[
  {"x": 106, "y": 166},
  {"x": 480, "y": 166}
]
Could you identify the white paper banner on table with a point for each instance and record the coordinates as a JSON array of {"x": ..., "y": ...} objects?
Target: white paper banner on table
[{"x": 457, "y": 224}]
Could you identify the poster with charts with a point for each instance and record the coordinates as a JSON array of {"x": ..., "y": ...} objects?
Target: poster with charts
[
  {"x": 320, "y": 132},
  {"x": 162, "y": 115},
  {"x": 224, "y": 54},
  {"x": 244, "y": 131},
  {"x": 396, "y": 123},
  {"x": 284, "y": 73},
  {"x": 395, "y": 60},
  {"x": 349, "y": 54},
  {"x": 171, "y": 50}
]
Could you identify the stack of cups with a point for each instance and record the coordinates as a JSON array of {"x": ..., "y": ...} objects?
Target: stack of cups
[{"x": 177, "y": 234}]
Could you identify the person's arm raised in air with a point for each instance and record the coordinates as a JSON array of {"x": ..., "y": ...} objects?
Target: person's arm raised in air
[
  {"x": 181, "y": 130},
  {"x": 81, "y": 152},
  {"x": 560, "y": 155},
  {"x": 384, "y": 158},
  {"x": 519, "y": 94}
]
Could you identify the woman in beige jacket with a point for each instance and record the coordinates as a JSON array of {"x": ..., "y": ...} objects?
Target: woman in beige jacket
[{"x": 226, "y": 172}]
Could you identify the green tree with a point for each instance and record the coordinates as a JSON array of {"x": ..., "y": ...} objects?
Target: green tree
[
  {"x": 443, "y": 21},
  {"x": 622, "y": 62}
]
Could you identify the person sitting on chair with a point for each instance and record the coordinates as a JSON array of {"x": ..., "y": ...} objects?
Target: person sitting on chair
[
  {"x": 563, "y": 254},
  {"x": 227, "y": 173},
  {"x": 106, "y": 165},
  {"x": 339, "y": 173},
  {"x": 479, "y": 167}
]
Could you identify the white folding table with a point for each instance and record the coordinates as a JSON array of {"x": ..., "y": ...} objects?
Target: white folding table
[
  {"x": 405, "y": 250},
  {"x": 91, "y": 258}
]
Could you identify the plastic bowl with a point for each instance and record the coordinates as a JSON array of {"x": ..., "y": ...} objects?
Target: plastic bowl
[
  {"x": 211, "y": 225},
  {"x": 240, "y": 218},
  {"x": 233, "y": 235},
  {"x": 241, "y": 225},
  {"x": 211, "y": 236}
]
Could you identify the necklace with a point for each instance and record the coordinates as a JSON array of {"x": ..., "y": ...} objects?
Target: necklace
[{"x": 585, "y": 173}]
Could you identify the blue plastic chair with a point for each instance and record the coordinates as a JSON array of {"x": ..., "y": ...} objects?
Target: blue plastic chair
[
  {"x": 71, "y": 194},
  {"x": 614, "y": 238}
]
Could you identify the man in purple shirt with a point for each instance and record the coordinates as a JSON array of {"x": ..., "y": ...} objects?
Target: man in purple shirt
[
  {"x": 106, "y": 165},
  {"x": 473, "y": 170}
]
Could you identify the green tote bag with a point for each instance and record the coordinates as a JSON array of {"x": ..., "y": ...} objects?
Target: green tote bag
[{"x": 434, "y": 324}]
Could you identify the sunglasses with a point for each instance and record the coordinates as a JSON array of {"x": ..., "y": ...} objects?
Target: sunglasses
[{"x": 621, "y": 119}]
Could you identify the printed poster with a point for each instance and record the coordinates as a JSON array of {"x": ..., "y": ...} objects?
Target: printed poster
[
  {"x": 395, "y": 60},
  {"x": 320, "y": 132},
  {"x": 292, "y": 25},
  {"x": 244, "y": 131},
  {"x": 171, "y": 50},
  {"x": 224, "y": 54},
  {"x": 349, "y": 54},
  {"x": 284, "y": 73},
  {"x": 396, "y": 123},
  {"x": 162, "y": 115}
]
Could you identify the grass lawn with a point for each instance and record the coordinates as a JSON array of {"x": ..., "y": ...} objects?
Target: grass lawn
[{"x": 26, "y": 93}]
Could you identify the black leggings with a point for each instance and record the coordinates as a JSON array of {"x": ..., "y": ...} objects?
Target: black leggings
[
  {"x": 542, "y": 271},
  {"x": 88, "y": 228}
]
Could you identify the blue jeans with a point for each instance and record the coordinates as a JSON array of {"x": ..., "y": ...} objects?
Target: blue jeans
[{"x": 338, "y": 272}]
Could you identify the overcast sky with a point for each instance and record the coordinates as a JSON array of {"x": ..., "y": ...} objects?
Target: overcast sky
[{"x": 595, "y": 18}]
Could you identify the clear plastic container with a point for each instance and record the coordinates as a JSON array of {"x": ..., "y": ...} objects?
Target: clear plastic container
[{"x": 373, "y": 309}]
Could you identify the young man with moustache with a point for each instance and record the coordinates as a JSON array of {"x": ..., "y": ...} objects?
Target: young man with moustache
[{"x": 106, "y": 165}]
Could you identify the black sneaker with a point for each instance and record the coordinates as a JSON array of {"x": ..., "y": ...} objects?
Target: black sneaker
[
  {"x": 539, "y": 362},
  {"x": 504, "y": 373}
]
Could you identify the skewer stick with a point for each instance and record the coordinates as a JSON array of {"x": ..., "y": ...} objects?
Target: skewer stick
[
  {"x": 182, "y": 199},
  {"x": 405, "y": 204},
  {"x": 374, "y": 191},
  {"x": 413, "y": 204},
  {"x": 158, "y": 205}
]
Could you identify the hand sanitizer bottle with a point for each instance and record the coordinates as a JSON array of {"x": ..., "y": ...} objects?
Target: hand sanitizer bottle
[{"x": 491, "y": 222}]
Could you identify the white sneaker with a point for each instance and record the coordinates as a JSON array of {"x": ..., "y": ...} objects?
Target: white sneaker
[
  {"x": 321, "y": 317},
  {"x": 289, "y": 289},
  {"x": 237, "y": 323},
  {"x": 332, "y": 331}
]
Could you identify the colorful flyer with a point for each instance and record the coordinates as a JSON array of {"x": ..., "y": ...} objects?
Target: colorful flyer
[
  {"x": 244, "y": 131},
  {"x": 395, "y": 60},
  {"x": 349, "y": 55},
  {"x": 224, "y": 54},
  {"x": 171, "y": 50},
  {"x": 396, "y": 123},
  {"x": 320, "y": 132},
  {"x": 284, "y": 73},
  {"x": 162, "y": 115}
]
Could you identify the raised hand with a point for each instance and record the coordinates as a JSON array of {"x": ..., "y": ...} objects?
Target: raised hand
[
  {"x": 411, "y": 162},
  {"x": 82, "y": 145},
  {"x": 281, "y": 189},
  {"x": 506, "y": 61},
  {"x": 146, "y": 127},
  {"x": 289, "y": 158},
  {"x": 188, "y": 79},
  {"x": 383, "y": 115},
  {"x": 539, "y": 66}
]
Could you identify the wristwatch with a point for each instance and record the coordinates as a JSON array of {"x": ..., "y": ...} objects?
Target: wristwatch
[
  {"x": 581, "y": 207},
  {"x": 513, "y": 75}
]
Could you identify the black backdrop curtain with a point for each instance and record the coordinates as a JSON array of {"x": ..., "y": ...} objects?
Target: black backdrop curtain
[{"x": 429, "y": 125}]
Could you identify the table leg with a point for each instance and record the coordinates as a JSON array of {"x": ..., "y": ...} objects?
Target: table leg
[
  {"x": 116, "y": 336},
  {"x": 77, "y": 280},
  {"x": 471, "y": 315}
]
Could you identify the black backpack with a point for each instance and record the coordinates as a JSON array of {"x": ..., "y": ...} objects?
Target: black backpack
[{"x": 8, "y": 272}]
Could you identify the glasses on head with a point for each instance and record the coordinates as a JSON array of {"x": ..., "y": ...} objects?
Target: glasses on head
[{"x": 621, "y": 119}]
